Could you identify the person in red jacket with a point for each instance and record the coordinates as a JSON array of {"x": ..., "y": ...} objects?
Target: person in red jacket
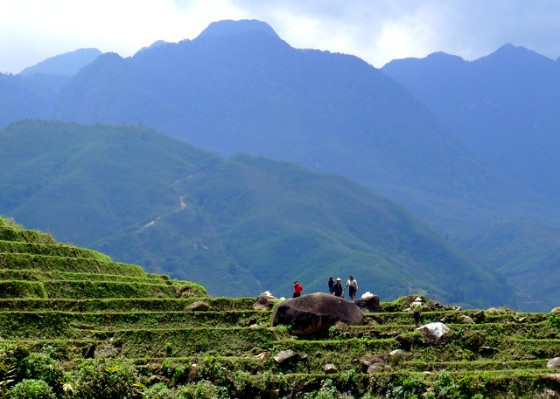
[{"x": 298, "y": 289}]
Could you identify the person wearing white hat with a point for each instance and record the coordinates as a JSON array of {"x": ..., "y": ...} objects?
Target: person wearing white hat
[
  {"x": 416, "y": 307},
  {"x": 337, "y": 288}
]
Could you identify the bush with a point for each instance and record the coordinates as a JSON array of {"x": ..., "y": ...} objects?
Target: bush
[
  {"x": 31, "y": 389},
  {"x": 40, "y": 366},
  {"x": 156, "y": 391},
  {"x": 94, "y": 379},
  {"x": 554, "y": 320},
  {"x": 202, "y": 390},
  {"x": 327, "y": 391}
]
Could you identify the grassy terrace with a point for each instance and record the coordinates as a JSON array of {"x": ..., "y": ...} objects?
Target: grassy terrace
[{"x": 84, "y": 326}]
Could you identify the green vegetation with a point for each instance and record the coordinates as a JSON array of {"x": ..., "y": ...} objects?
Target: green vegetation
[
  {"x": 239, "y": 227},
  {"x": 133, "y": 345}
]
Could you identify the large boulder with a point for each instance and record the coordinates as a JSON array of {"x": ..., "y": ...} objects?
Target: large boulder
[{"x": 314, "y": 313}]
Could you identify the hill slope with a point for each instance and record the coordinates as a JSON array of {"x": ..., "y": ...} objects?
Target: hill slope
[{"x": 238, "y": 226}]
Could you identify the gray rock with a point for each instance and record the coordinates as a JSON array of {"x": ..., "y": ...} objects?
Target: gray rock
[
  {"x": 285, "y": 356},
  {"x": 314, "y": 313},
  {"x": 554, "y": 363},
  {"x": 370, "y": 359},
  {"x": 199, "y": 306},
  {"x": 368, "y": 303},
  {"x": 395, "y": 356},
  {"x": 265, "y": 301},
  {"x": 262, "y": 356},
  {"x": 555, "y": 310},
  {"x": 375, "y": 367},
  {"x": 330, "y": 368},
  {"x": 465, "y": 319}
]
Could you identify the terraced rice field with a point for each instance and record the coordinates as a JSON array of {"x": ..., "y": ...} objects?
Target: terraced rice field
[{"x": 95, "y": 320}]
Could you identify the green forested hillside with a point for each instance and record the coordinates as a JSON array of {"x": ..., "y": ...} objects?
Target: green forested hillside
[
  {"x": 237, "y": 226},
  {"x": 525, "y": 253}
]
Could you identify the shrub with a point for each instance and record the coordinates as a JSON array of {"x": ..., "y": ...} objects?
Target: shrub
[
  {"x": 94, "y": 379},
  {"x": 202, "y": 390},
  {"x": 40, "y": 366},
  {"x": 327, "y": 391},
  {"x": 7, "y": 371},
  {"x": 157, "y": 391},
  {"x": 31, "y": 389},
  {"x": 554, "y": 320}
]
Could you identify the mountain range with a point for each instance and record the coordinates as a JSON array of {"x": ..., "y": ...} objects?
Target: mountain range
[
  {"x": 239, "y": 88},
  {"x": 503, "y": 108}
]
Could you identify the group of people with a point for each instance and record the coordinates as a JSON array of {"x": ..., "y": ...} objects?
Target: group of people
[{"x": 335, "y": 287}]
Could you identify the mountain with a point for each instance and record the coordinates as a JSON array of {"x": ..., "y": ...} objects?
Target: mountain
[
  {"x": 27, "y": 97},
  {"x": 502, "y": 107},
  {"x": 237, "y": 226},
  {"x": 239, "y": 87},
  {"x": 67, "y": 64},
  {"x": 32, "y": 93}
]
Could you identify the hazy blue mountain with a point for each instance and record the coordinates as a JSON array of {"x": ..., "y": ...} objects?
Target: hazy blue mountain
[
  {"x": 238, "y": 87},
  {"x": 504, "y": 108},
  {"x": 32, "y": 93},
  {"x": 237, "y": 226},
  {"x": 67, "y": 64},
  {"x": 230, "y": 27},
  {"x": 23, "y": 97}
]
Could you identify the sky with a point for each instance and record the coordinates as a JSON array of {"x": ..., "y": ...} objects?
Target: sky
[{"x": 377, "y": 31}]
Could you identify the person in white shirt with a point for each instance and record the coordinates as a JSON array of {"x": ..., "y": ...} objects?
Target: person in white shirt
[{"x": 352, "y": 285}]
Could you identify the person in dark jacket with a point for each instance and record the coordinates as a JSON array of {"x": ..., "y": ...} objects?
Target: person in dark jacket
[
  {"x": 337, "y": 288},
  {"x": 331, "y": 285}
]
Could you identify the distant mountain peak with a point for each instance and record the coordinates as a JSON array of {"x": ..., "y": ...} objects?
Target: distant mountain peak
[
  {"x": 155, "y": 44},
  {"x": 511, "y": 52},
  {"x": 230, "y": 27},
  {"x": 67, "y": 64},
  {"x": 440, "y": 55}
]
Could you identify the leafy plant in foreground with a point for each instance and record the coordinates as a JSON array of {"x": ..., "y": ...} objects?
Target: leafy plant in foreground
[{"x": 31, "y": 389}]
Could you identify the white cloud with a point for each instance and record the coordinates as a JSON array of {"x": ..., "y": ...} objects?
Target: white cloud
[
  {"x": 32, "y": 30},
  {"x": 375, "y": 30}
]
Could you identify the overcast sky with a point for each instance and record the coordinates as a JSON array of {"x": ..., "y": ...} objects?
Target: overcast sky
[{"x": 375, "y": 30}]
